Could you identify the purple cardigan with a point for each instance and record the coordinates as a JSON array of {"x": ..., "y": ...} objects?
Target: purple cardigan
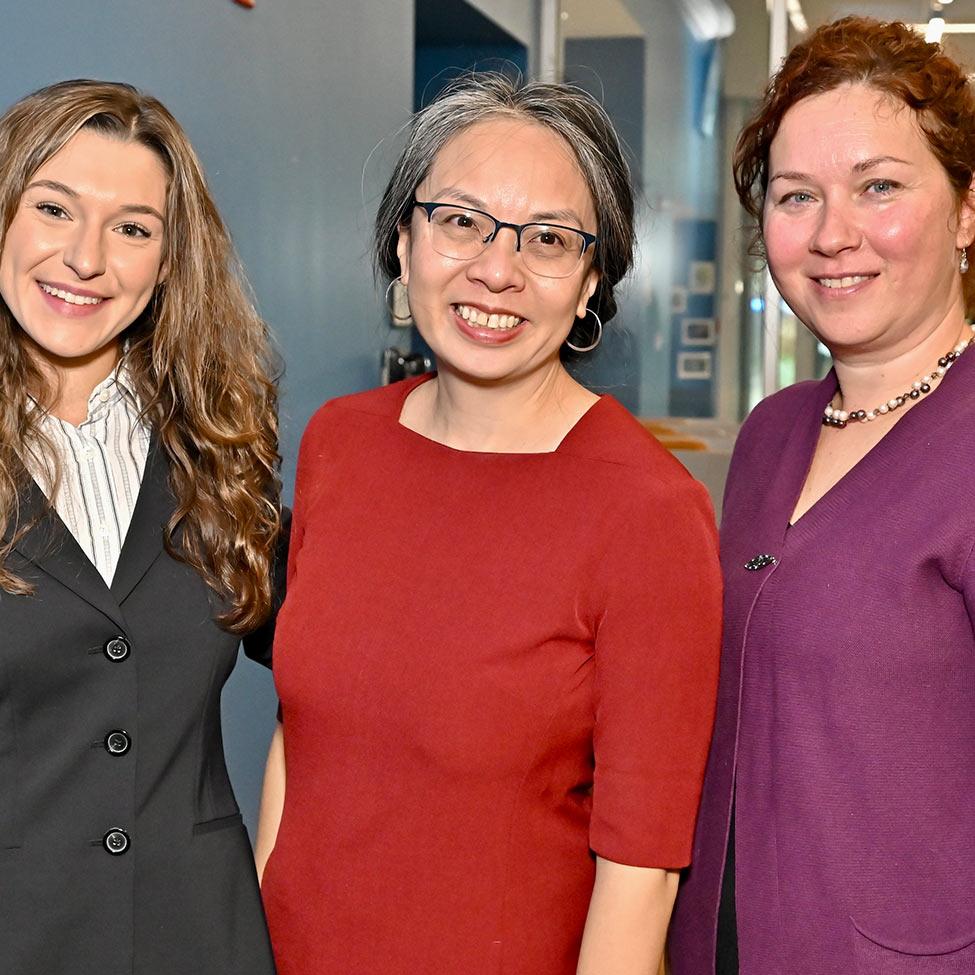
[{"x": 846, "y": 708}]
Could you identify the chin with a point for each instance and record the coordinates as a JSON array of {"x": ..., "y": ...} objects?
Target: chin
[
  {"x": 481, "y": 364},
  {"x": 838, "y": 334},
  {"x": 68, "y": 351},
  {"x": 479, "y": 374}
]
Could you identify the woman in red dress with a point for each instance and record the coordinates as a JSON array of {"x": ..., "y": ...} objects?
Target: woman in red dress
[{"x": 498, "y": 655}]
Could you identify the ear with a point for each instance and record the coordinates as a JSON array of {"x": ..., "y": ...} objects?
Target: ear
[
  {"x": 403, "y": 244},
  {"x": 163, "y": 272},
  {"x": 965, "y": 233},
  {"x": 589, "y": 286}
]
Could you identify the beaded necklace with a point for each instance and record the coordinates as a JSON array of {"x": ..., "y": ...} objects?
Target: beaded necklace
[{"x": 833, "y": 417}]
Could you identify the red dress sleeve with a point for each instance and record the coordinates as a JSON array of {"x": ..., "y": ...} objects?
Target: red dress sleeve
[{"x": 656, "y": 657}]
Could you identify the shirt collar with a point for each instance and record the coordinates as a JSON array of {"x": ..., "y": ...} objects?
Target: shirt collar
[{"x": 115, "y": 387}]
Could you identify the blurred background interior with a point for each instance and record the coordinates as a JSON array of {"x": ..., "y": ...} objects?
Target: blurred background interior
[{"x": 296, "y": 107}]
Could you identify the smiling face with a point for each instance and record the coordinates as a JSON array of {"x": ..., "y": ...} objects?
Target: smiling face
[
  {"x": 84, "y": 251},
  {"x": 861, "y": 225},
  {"x": 489, "y": 317}
]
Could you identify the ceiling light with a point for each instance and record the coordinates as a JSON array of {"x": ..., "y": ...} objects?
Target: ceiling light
[
  {"x": 796, "y": 18},
  {"x": 709, "y": 20}
]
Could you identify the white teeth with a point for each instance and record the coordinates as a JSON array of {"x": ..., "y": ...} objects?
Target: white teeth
[
  {"x": 843, "y": 282},
  {"x": 71, "y": 298},
  {"x": 478, "y": 317}
]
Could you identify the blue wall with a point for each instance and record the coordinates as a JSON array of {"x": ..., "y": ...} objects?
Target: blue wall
[
  {"x": 284, "y": 103},
  {"x": 454, "y": 36}
]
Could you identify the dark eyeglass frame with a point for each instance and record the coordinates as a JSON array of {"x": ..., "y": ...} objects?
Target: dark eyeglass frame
[{"x": 588, "y": 240}]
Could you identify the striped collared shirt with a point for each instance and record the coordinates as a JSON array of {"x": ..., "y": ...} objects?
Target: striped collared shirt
[{"x": 102, "y": 464}]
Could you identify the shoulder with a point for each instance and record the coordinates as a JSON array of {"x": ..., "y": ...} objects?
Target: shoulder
[
  {"x": 778, "y": 411},
  {"x": 382, "y": 401},
  {"x": 340, "y": 416},
  {"x": 610, "y": 438},
  {"x": 641, "y": 484},
  {"x": 772, "y": 423}
]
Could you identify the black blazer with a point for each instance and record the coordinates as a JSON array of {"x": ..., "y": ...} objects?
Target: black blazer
[{"x": 122, "y": 850}]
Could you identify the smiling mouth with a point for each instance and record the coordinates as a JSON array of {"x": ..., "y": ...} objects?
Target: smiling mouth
[
  {"x": 69, "y": 296},
  {"x": 847, "y": 282},
  {"x": 483, "y": 320}
]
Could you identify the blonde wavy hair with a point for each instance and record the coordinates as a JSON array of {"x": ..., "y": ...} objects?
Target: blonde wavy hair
[{"x": 199, "y": 357}]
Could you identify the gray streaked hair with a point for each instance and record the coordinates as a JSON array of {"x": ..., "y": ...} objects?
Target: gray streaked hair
[{"x": 564, "y": 109}]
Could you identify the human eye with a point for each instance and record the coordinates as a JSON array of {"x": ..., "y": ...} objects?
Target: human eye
[
  {"x": 52, "y": 210},
  {"x": 461, "y": 223},
  {"x": 549, "y": 238},
  {"x": 882, "y": 187},
  {"x": 134, "y": 230},
  {"x": 796, "y": 198},
  {"x": 453, "y": 218}
]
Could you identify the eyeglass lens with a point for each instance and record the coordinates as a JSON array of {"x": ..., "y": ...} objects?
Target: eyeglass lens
[{"x": 553, "y": 252}]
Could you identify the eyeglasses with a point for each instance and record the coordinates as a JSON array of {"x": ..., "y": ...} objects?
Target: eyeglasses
[{"x": 548, "y": 249}]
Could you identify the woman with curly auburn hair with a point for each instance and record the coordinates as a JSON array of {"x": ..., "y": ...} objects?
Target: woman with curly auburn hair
[
  {"x": 139, "y": 521},
  {"x": 836, "y": 828}
]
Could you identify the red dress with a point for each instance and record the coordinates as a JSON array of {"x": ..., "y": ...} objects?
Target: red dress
[{"x": 491, "y": 667}]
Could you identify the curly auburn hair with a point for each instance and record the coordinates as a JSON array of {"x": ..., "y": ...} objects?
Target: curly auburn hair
[
  {"x": 896, "y": 61},
  {"x": 198, "y": 356}
]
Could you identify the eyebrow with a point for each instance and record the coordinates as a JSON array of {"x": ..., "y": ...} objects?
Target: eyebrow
[
  {"x": 793, "y": 176},
  {"x": 51, "y": 184},
  {"x": 860, "y": 167},
  {"x": 539, "y": 216}
]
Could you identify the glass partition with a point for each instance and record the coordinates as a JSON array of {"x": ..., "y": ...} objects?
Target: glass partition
[{"x": 694, "y": 337}]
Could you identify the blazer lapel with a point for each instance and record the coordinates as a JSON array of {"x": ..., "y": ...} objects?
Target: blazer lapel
[
  {"x": 53, "y": 549},
  {"x": 144, "y": 539}
]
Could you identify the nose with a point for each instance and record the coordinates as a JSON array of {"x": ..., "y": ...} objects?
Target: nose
[
  {"x": 499, "y": 266},
  {"x": 84, "y": 252},
  {"x": 836, "y": 230}
]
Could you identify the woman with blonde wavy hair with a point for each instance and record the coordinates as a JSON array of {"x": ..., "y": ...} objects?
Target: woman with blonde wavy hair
[{"x": 139, "y": 521}]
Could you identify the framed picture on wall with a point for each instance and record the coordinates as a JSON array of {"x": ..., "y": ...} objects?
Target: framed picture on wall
[
  {"x": 694, "y": 365},
  {"x": 678, "y": 300},
  {"x": 702, "y": 277},
  {"x": 698, "y": 331}
]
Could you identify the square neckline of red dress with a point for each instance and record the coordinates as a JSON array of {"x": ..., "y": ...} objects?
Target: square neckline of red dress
[{"x": 407, "y": 387}]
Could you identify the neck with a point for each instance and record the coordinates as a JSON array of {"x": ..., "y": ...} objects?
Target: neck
[
  {"x": 868, "y": 378},
  {"x": 528, "y": 414},
  {"x": 74, "y": 379}
]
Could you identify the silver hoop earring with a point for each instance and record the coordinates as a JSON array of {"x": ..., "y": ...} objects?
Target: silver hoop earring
[
  {"x": 399, "y": 307},
  {"x": 963, "y": 261},
  {"x": 596, "y": 340}
]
